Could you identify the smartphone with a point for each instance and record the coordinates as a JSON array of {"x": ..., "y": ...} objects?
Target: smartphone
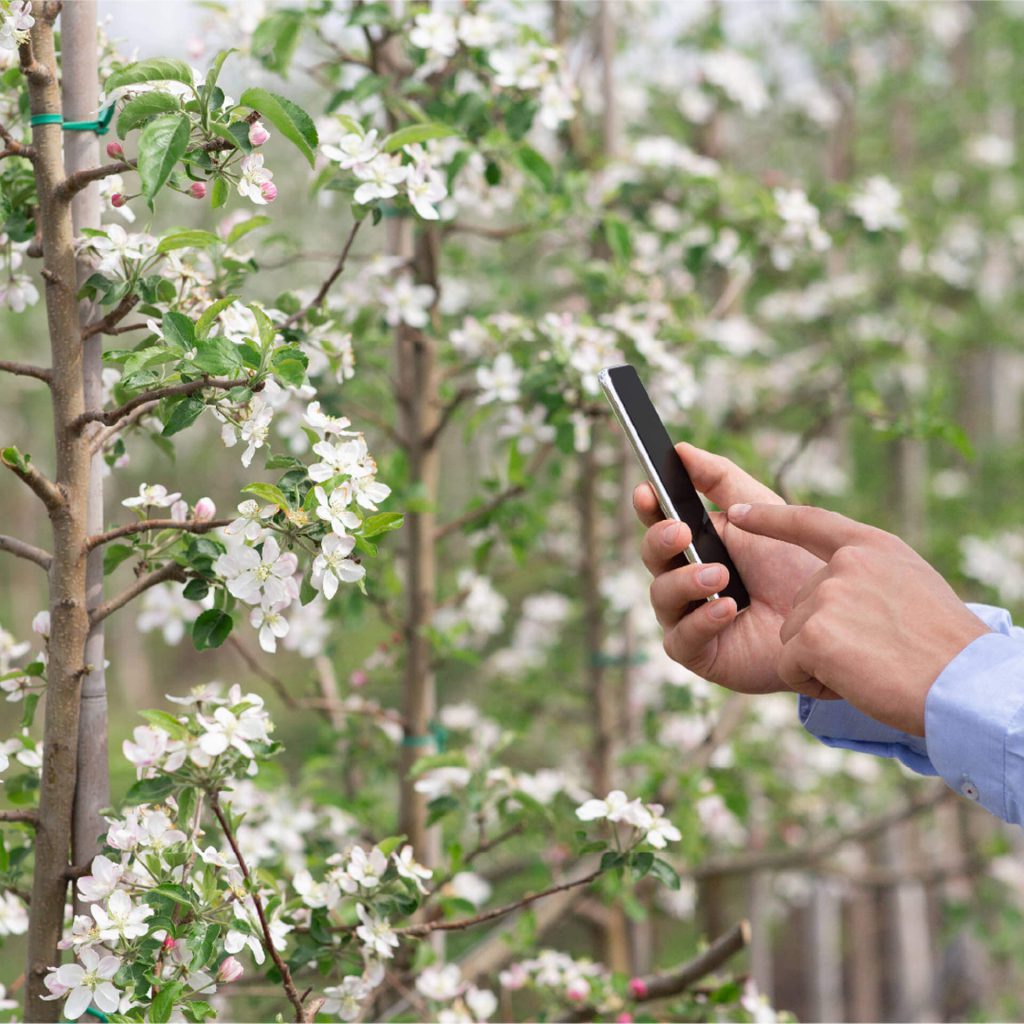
[{"x": 672, "y": 484}]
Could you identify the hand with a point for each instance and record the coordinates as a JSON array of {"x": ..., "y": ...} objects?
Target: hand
[
  {"x": 876, "y": 625},
  {"x": 708, "y": 637}
]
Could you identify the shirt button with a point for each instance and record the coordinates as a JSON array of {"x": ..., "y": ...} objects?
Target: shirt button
[{"x": 968, "y": 788}]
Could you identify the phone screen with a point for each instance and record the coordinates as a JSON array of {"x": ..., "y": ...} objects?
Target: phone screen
[{"x": 676, "y": 483}]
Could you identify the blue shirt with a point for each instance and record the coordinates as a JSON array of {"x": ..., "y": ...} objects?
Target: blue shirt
[{"x": 974, "y": 721}]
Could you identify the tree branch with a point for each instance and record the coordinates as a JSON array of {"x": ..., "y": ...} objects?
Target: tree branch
[
  {"x": 20, "y": 817},
  {"x": 661, "y": 986},
  {"x": 14, "y": 147},
  {"x": 46, "y": 490},
  {"x": 26, "y": 370},
  {"x": 114, "y": 317},
  {"x": 468, "y": 922},
  {"x": 268, "y": 943},
  {"x": 778, "y": 860},
  {"x": 331, "y": 278},
  {"x": 129, "y": 529},
  {"x": 447, "y": 413},
  {"x": 512, "y": 491},
  {"x": 488, "y": 231},
  {"x": 111, "y": 416},
  {"x": 29, "y": 552},
  {"x": 170, "y": 571}
]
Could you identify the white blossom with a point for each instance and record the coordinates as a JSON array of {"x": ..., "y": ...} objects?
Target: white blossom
[
  {"x": 121, "y": 919},
  {"x": 250, "y": 520},
  {"x": 13, "y": 915},
  {"x": 376, "y": 933},
  {"x": 254, "y": 177},
  {"x": 152, "y": 496},
  {"x": 87, "y": 983},
  {"x": 380, "y": 178},
  {"x": 500, "y": 381},
  {"x": 332, "y": 566},
  {"x": 879, "y": 205},
  {"x": 260, "y": 577}
]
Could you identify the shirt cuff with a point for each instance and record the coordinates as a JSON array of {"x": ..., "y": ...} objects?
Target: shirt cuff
[
  {"x": 838, "y": 724},
  {"x": 974, "y": 723}
]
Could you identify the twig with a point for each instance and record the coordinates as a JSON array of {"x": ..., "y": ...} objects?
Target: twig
[
  {"x": 331, "y": 278},
  {"x": 46, "y": 490},
  {"x": 20, "y": 549},
  {"x": 487, "y": 231},
  {"x": 268, "y": 942},
  {"x": 170, "y": 571},
  {"x": 661, "y": 986},
  {"x": 512, "y": 491},
  {"x": 101, "y": 437},
  {"x": 468, "y": 922},
  {"x": 129, "y": 529},
  {"x": 447, "y": 413},
  {"x": 27, "y": 370},
  {"x": 278, "y": 685},
  {"x": 114, "y": 317},
  {"x": 781, "y": 859},
  {"x": 14, "y": 147},
  {"x": 483, "y": 847},
  {"x": 150, "y": 398},
  {"x": 20, "y": 817}
]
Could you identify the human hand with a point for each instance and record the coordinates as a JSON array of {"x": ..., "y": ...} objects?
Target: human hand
[
  {"x": 739, "y": 652},
  {"x": 876, "y": 624}
]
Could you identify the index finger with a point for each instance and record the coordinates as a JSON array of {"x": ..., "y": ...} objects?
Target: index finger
[{"x": 816, "y": 530}]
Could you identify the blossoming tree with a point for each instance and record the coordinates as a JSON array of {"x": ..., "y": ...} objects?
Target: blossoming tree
[{"x": 505, "y": 217}]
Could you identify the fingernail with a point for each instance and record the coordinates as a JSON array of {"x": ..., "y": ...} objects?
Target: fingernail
[
  {"x": 710, "y": 577},
  {"x": 738, "y": 511},
  {"x": 670, "y": 535},
  {"x": 719, "y": 609}
]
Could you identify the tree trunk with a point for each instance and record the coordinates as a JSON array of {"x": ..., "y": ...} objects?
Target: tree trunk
[
  {"x": 80, "y": 95},
  {"x": 825, "y": 969},
  {"x": 69, "y": 624}
]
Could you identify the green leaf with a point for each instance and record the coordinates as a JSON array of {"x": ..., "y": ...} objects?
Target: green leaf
[
  {"x": 163, "y": 1002},
  {"x": 219, "y": 193},
  {"x": 289, "y": 364},
  {"x": 113, "y": 556},
  {"x": 389, "y": 845},
  {"x": 288, "y": 118},
  {"x": 170, "y": 891},
  {"x": 210, "y": 314},
  {"x": 641, "y": 863},
  {"x": 215, "y": 68},
  {"x": 269, "y": 493},
  {"x": 275, "y": 38},
  {"x": 166, "y": 721},
  {"x": 265, "y": 325},
  {"x": 195, "y": 590},
  {"x": 149, "y": 791},
  {"x": 617, "y": 236},
  {"x": 382, "y": 522},
  {"x": 665, "y": 873},
  {"x": 28, "y": 712},
  {"x": 211, "y": 629},
  {"x": 154, "y": 69},
  {"x": 179, "y": 330},
  {"x": 534, "y": 164},
  {"x": 162, "y": 143},
  {"x": 243, "y": 228},
  {"x": 414, "y": 133},
  {"x": 612, "y": 859},
  {"x": 183, "y": 415},
  {"x": 140, "y": 109},
  {"x": 218, "y": 355},
  {"x": 192, "y": 239}
]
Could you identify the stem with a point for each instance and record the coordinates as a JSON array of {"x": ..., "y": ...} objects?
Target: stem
[
  {"x": 22, "y": 817},
  {"x": 332, "y": 277},
  {"x": 268, "y": 942},
  {"x": 20, "y": 549},
  {"x": 170, "y": 571},
  {"x": 66, "y": 500},
  {"x": 145, "y": 525},
  {"x": 26, "y": 370},
  {"x": 45, "y": 489}
]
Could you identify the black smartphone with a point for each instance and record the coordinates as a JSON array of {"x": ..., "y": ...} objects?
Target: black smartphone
[{"x": 672, "y": 484}]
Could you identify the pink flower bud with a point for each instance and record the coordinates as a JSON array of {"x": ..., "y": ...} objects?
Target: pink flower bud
[
  {"x": 229, "y": 970},
  {"x": 114, "y": 150},
  {"x": 205, "y": 509},
  {"x": 577, "y": 990},
  {"x": 624, "y": 1018},
  {"x": 198, "y": 190},
  {"x": 179, "y": 510},
  {"x": 258, "y": 134},
  {"x": 637, "y": 988},
  {"x": 117, "y": 200},
  {"x": 169, "y": 943},
  {"x": 358, "y": 678},
  {"x": 269, "y": 191}
]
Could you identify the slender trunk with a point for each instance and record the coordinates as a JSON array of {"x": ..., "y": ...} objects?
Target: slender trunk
[
  {"x": 80, "y": 95},
  {"x": 824, "y": 943},
  {"x": 417, "y": 393},
  {"x": 69, "y": 624}
]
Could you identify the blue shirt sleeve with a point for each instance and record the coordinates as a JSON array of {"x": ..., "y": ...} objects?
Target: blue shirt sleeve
[{"x": 974, "y": 721}]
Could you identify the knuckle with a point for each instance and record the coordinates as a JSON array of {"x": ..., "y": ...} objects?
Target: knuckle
[{"x": 845, "y": 558}]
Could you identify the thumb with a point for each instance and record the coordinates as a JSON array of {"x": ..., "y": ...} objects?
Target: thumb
[
  {"x": 721, "y": 480},
  {"x": 816, "y": 530}
]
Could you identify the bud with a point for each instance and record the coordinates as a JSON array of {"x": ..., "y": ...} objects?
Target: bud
[
  {"x": 41, "y": 624},
  {"x": 624, "y": 1018},
  {"x": 269, "y": 191},
  {"x": 258, "y": 134},
  {"x": 169, "y": 943},
  {"x": 358, "y": 678},
  {"x": 578, "y": 989},
  {"x": 114, "y": 150},
  {"x": 198, "y": 190},
  {"x": 117, "y": 200},
  {"x": 205, "y": 509},
  {"x": 179, "y": 510},
  {"x": 638, "y": 988},
  {"x": 229, "y": 970}
]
